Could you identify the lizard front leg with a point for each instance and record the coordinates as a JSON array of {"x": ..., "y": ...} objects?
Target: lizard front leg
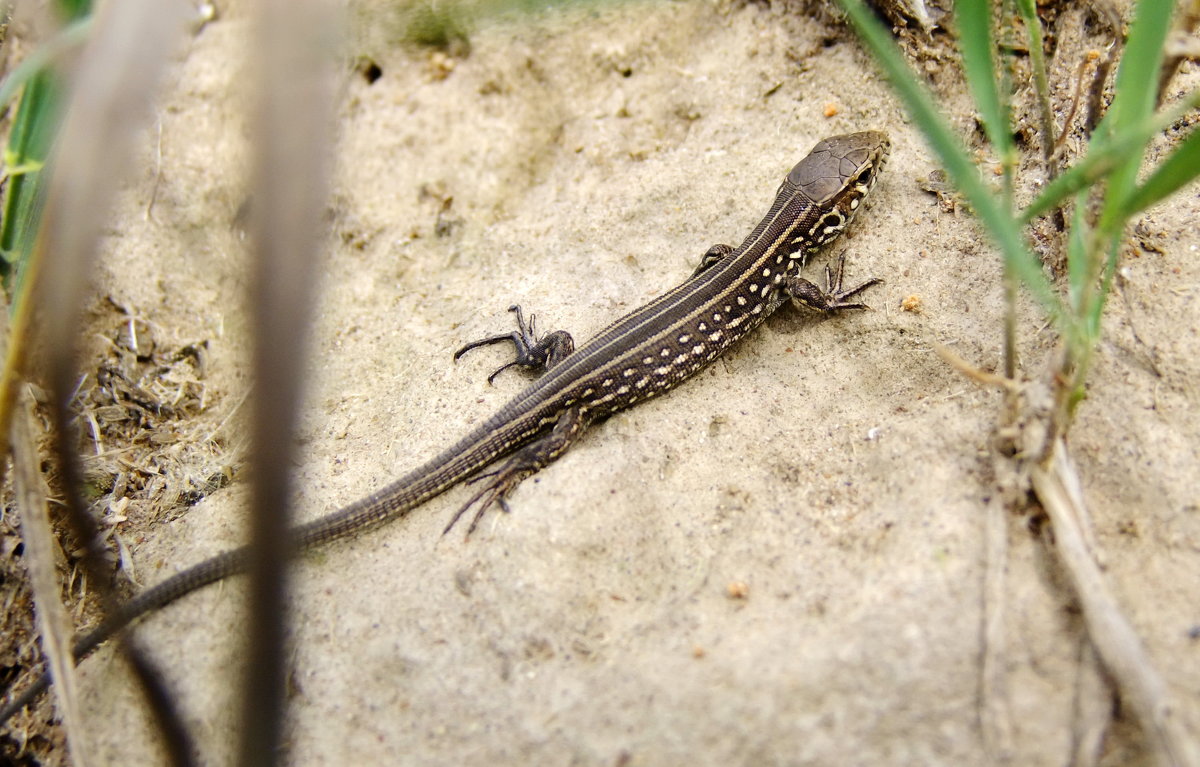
[
  {"x": 532, "y": 352},
  {"x": 833, "y": 297},
  {"x": 522, "y": 464}
]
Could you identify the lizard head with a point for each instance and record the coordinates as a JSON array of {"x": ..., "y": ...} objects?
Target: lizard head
[{"x": 837, "y": 175}]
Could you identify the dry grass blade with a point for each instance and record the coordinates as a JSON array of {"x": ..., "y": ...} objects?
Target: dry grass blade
[
  {"x": 292, "y": 135},
  {"x": 116, "y": 76},
  {"x": 1141, "y": 686},
  {"x": 1093, "y": 708},
  {"x": 981, "y": 377},
  {"x": 111, "y": 87},
  {"x": 54, "y": 625},
  {"x": 114, "y": 79}
]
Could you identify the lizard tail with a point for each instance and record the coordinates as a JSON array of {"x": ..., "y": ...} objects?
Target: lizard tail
[{"x": 469, "y": 455}]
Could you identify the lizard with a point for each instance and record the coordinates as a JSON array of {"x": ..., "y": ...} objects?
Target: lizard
[{"x": 647, "y": 352}]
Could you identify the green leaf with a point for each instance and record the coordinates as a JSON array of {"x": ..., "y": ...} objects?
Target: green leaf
[
  {"x": 976, "y": 42},
  {"x": 1133, "y": 98},
  {"x": 68, "y": 37},
  {"x": 75, "y": 9},
  {"x": 1077, "y": 256},
  {"x": 1135, "y": 91},
  {"x": 34, "y": 128},
  {"x": 941, "y": 139},
  {"x": 1179, "y": 169},
  {"x": 1110, "y": 269},
  {"x": 1103, "y": 157},
  {"x": 29, "y": 143}
]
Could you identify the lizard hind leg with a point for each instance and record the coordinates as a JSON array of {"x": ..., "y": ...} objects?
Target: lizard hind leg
[
  {"x": 520, "y": 465},
  {"x": 531, "y": 352},
  {"x": 713, "y": 256}
]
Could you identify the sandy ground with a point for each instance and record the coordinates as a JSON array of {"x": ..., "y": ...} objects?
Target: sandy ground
[{"x": 836, "y": 468}]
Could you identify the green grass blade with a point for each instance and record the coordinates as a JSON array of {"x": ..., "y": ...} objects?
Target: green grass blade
[
  {"x": 1103, "y": 157},
  {"x": 1083, "y": 298},
  {"x": 35, "y": 125},
  {"x": 29, "y": 143},
  {"x": 1179, "y": 169},
  {"x": 1033, "y": 27},
  {"x": 1077, "y": 256},
  {"x": 70, "y": 36},
  {"x": 1096, "y": 308},
  {"x": 1134, "y": 97},
  {"x": 919, "y": 104},
  {"x": 74, "y": 9},
  {"x": 976, "y": 43},
  {"x": 1133, "y": 100},
  {"x": 1095, "y": 166}
]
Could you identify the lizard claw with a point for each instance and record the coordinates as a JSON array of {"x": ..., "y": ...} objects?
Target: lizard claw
[
  {"x": 532, "y": 352},
  {"x": 833, "y": 297},
  {"x": 506, "y": 479}
]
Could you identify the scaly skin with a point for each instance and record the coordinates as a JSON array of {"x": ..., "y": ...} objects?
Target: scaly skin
[{"x": 647, "y": 352}]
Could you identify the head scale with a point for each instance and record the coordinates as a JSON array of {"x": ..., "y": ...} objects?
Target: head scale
[{"x": 836, "y": 175}]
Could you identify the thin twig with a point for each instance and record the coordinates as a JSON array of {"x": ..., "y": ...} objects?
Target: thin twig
[
  {"x": 1180, "y": 46},
  {"x": 981, "y": 377},
  {"x": 1081, "y": 69},
  {"x": 1141, "y": 686},
  {"x": 158, "y": 155},
  {"x": 1108, "y": 16}
]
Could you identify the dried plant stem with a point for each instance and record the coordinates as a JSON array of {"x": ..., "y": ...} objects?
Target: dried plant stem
[
  {"x": 1080, "y": 71},
  {"x": 54, "y": 624},
  {"x": 1139, "y": 683},
  {"x": 994, "y": 714},
  {"x": 1093, "y": 709}
]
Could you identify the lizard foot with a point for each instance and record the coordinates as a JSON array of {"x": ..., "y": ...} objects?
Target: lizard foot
[
  {"x": 833, "y": 297},
  {"x": 532, "y": 352},
  {"x": 523, "y": 463}
]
